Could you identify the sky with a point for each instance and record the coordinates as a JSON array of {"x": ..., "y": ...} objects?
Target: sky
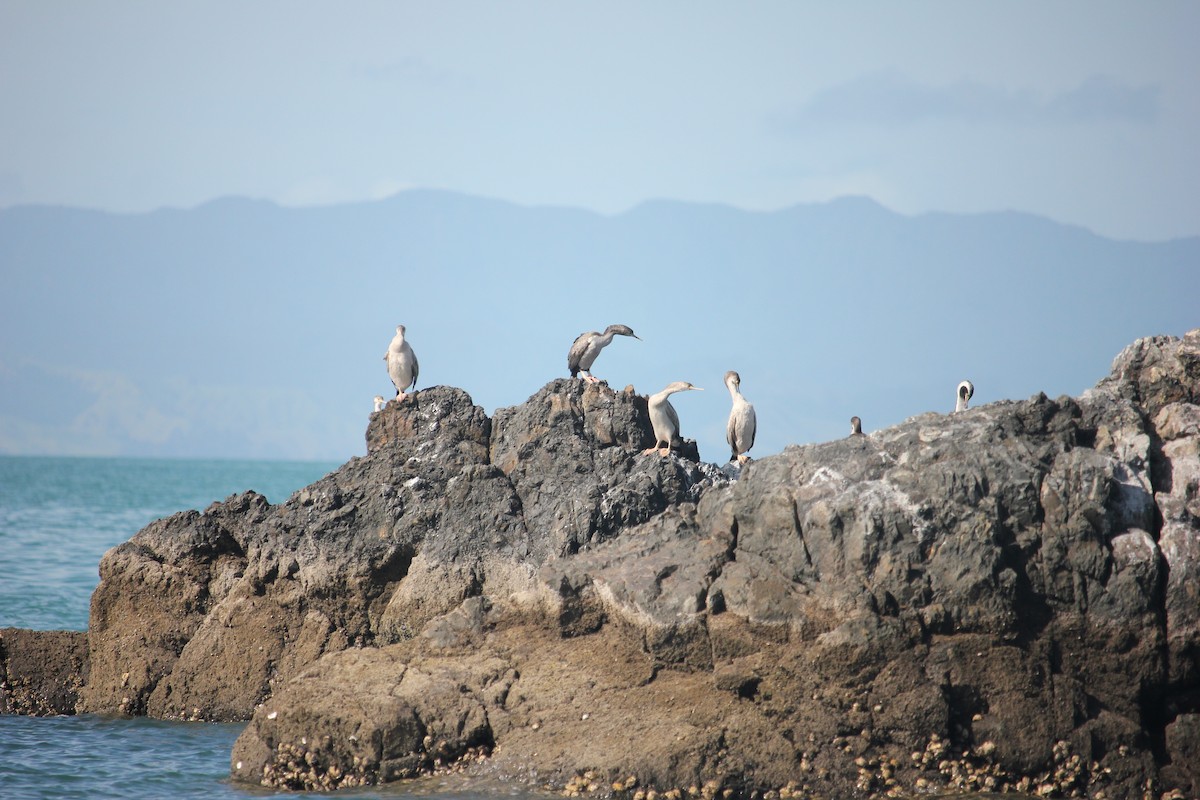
[{"x": 1083, "y": 112}]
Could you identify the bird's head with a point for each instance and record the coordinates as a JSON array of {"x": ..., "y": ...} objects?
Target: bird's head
[
  {"x": 623, "y": 330},
  {"x": 733, "y": 379},
  {"x": 966, "y": 390}
]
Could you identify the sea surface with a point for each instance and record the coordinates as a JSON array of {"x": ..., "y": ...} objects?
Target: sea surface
[{"x": 58, "y": 516}]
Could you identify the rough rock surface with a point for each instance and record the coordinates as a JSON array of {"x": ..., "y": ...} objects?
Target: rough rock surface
[
  {"x": 200, "y": 616},
  {"x": 1004, "y": 598},
  {"x": 41, "y": 671}
]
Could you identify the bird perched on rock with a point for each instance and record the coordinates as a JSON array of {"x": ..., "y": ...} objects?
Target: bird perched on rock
[
  {"x": 966, "y": 390},
  {"x": 742, "y": 421},
  {"x": 855, "y": 426},
  {"x": 379, "y": 401},
  {"x": 402, "y": 363},
  {"x": 588, "y": 345},
  {"x": 663, "y": 418}
]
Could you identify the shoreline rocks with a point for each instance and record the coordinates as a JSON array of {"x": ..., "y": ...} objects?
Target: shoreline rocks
[
  {"x": 1003, "y": 599},
  {"x": 41, "y": 672}
]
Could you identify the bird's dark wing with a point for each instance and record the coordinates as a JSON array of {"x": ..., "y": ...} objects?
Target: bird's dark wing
[
  {"x": 577, "y": 350},
  {"x": 751, "y": 427},
  {"x": 671, "y": 415}
]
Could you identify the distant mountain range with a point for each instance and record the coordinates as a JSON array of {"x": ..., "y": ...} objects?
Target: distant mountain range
[{"x": 243, "y": 329}]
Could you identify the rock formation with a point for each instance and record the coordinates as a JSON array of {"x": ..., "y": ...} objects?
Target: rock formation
[
  {"x": 1004, "y": 598},
  {"x": 41, "y": 671}
]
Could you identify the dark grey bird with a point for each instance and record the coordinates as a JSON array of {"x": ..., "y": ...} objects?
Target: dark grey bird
[
  {"x": 402, "y": 363},
  {"x": 966, "y": 390},
  {"x": 855, "y": 426},
  {"x": 663, "y": 417},
  {"x": 743, "y": 423},
  {"x": 588, "y": 345}
]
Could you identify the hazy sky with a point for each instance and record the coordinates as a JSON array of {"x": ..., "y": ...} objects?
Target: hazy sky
[{"x": 1085, "y": 112}]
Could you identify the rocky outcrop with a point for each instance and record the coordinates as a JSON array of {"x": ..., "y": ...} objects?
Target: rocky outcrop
[
  {"x": 1004, "y": 598},
  {"x": 41, "y": 671},
  {"x": 201, "y": 616}
]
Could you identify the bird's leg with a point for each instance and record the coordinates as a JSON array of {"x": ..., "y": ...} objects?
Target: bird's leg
[
  {"x": 654, "y": 449},
  {"x": 743, "y": 459}
]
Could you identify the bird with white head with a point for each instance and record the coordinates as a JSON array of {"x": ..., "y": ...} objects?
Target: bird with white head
[
  {"x": 743, "y": 423},
  {"x": 663, "y": 417},
  {"x": 402, "y": 364}
]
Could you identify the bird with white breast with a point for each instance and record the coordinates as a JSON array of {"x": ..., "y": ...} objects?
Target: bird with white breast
[
  {"x": 743, "y": 423},
  {"x": 663, "y": 417},
  {"x": 402, "y": 364}
]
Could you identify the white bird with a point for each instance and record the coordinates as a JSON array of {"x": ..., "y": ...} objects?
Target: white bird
[
  {"x": 588, "y": 345},
  {"x": 378, "y": 402},
  {"x": 402, "y": 363},
  {"x": 742, "y": 421},
  {"x": 966, "y": 390},
  {"x": 663, "y": 418},
  {"x": 855, "y": 426}
]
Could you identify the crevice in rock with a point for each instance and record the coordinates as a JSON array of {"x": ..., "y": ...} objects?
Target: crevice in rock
[{"x": 808, "y": 559}]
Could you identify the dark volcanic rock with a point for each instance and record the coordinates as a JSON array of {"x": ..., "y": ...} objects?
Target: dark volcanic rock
[
  {"x": 200, "y": 615},
  {"x": 573, "y": 452},
  {"x": 1000, "y": 599},
  {"x": 41, "y": 671}
]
